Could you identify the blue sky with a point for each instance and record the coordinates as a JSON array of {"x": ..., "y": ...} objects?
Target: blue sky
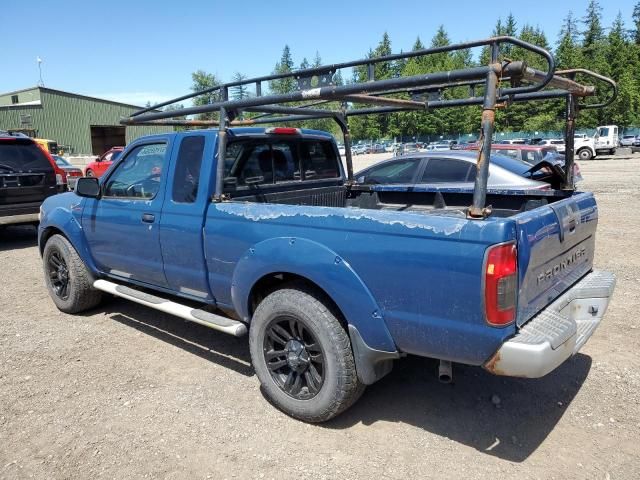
[{"x": 139, "y": 50}]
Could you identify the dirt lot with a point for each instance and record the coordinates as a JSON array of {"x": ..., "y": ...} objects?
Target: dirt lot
[{"x": 126, "y": 392}]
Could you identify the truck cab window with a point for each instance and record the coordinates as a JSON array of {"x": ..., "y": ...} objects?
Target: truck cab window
[
  {"x": 187, "y": 171},
  {"x": 319, "y": 160},
  {"x": 286, "y": 166},
  {"x": 254, "y": 163},
  {"x": 138, "y": 175}
]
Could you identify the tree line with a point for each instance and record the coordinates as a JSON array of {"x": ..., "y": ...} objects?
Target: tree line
[{"x": 583, "y": 42}]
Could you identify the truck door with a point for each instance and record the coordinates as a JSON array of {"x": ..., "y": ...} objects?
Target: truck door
[
  {"x": 122, "y": 226},
  {"x": 183, "y": 215}
]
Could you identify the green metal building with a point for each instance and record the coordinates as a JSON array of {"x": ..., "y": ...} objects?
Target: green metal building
[{"x": 80, "y": 125}]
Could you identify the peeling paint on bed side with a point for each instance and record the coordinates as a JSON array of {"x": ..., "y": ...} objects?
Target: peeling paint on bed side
[{"x": 262, "y": 212}]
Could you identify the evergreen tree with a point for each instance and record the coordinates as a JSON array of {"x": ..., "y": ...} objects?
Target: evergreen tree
[
  {"x": 593, "y": 33},
  {"x": 619, "y": 56},
  {"x": 285, "y": 65},
  {"x": 568, "y": 50},
  {"x": 636, "y": 23},
  {"x": 510, "y": 29},
  {"x": 383, "y": 69},
  {"x": 373, "y": 127},
  {"x": 617, "y": 49},
  {"x": 317, "y": 60},
  {"x": 202, "y": 80},
  {"x": 485, "y": 54},
  {"x": 239, "y": 91},
  {"x": 593, "y": 56},
  {"x": 304, "y": 64}
]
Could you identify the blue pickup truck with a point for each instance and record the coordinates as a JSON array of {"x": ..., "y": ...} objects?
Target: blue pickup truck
[{"x": 331, "y": 281}]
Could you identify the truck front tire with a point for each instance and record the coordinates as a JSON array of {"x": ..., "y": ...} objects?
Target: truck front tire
[
  {"x": 584, "y": 154},
  {"x": 68, "y": 280},
  {"x": 302, "y": 355}
]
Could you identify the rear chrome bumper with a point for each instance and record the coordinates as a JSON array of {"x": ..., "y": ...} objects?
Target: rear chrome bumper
[
  {"x": 18, "y": 219},
  {"x": 558, "y": 332}
]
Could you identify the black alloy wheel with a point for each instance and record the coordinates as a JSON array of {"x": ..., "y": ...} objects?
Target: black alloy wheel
[
  {"x": 58, "y": 275},
  {"x": 294, "y": 357}
]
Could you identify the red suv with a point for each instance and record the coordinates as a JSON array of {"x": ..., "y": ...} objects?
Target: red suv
[{"x": 103, "y": 162}]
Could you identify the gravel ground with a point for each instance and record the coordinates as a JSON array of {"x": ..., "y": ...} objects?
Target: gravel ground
[{"x": 127, "y": 392}]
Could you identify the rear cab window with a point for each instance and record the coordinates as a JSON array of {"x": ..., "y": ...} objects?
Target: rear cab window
[{"x": 264, "y": 162}]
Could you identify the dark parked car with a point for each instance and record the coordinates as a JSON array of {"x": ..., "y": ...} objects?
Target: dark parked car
[
  {"x": 27, "y": 178},
  {"x": 450, "y": 169}
]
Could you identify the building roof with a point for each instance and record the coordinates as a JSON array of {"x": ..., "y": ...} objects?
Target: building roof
[{"x": 62, "y": 92}]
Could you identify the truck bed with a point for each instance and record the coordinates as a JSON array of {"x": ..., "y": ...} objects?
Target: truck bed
[
  {"x": 417, "y": 253},
  {"x": 407, "y": 198}
]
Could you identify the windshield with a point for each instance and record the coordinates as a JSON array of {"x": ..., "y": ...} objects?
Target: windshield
[
  {"x": 61, "y": 162},
  {"x": 16, "y": 155},
  {"x": 516, "y": 166}
]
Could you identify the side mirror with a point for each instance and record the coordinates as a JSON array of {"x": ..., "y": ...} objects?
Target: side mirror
[{"x": 88, "y": 187}]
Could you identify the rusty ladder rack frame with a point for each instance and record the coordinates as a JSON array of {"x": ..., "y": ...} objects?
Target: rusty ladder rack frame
[{"x": 315, "y": 85}]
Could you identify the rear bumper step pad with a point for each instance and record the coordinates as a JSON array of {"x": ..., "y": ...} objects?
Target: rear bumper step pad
[{"x": 557, "y": 332}]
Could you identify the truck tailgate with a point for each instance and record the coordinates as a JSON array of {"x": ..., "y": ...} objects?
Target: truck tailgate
[{"x": 556, "y": 244}]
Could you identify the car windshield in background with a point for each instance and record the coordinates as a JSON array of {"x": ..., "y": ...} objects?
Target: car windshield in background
[
  {"x": 61, "y": 162},
  {"x": 514, "y": 165},
  {"x": 115, "y": 155},
  {"x": 16, "y": 155}
]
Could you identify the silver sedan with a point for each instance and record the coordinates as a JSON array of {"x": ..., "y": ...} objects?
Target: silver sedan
[{"x": 450, "y": 169}]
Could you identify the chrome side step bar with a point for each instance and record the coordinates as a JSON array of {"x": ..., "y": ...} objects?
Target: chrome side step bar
[{"x": 211, "y": 320}]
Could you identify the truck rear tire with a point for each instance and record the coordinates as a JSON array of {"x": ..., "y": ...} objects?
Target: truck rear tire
[
  {"x": 302, "y": 355},
  {"x": 584, "y": 154},
  {"x": 68, "y": 280}
]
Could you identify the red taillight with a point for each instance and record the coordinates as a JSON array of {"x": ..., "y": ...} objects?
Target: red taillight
[
  {"x": 283, "y": 130},
  {"x": 501, "y": 284}
]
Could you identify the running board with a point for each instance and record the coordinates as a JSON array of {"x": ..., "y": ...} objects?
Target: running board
[{"x": 211, "y": 320}]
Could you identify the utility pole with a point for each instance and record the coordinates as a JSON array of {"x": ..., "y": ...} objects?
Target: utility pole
[{"x": 41, "y": 82}]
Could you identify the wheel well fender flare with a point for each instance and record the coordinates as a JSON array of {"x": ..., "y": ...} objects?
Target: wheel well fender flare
[
  {"x": 323, "y": 267},
  {"x": 60, "y": 221}
]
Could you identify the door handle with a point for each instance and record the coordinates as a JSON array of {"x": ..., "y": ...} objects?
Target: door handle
[{"x": 148, "y": 217}]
